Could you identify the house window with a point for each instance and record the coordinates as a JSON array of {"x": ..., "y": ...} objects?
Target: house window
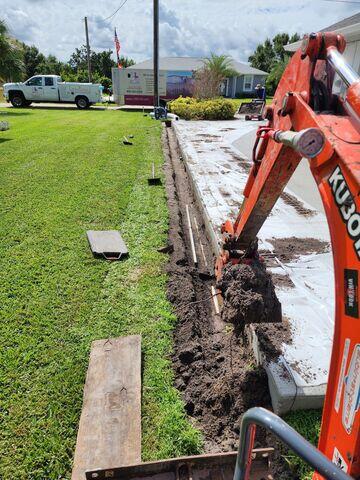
[{"x": 248, "y": 83}]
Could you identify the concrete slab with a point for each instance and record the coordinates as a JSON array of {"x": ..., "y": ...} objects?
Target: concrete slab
[
  {"x": 107, "y": 244},
  {"x": 217, "y": 158}
]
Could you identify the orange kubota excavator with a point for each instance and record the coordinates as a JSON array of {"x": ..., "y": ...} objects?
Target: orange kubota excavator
[
  {"x": 315, "y": 114},
  {"x": 308, "y": 118}
]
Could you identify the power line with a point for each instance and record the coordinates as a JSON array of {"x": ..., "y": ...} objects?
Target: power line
[
  {"x": 116, "y": 11},
  {"x": 343, "y": 1}
]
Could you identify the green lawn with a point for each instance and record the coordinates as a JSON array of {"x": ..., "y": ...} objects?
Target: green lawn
[
  {"x": 239, "y": 101},
  {"x": 63, "y": 172},
  {"x": 307, "y": 423}
]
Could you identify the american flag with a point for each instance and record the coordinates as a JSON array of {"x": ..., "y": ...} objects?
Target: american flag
[{"x": 117, "y": 46}]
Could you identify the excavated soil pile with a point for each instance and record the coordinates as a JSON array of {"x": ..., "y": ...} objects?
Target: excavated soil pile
[
  {"x": 214, "y": 369},
  {"x": 219, "y": 382},
  {"x": 249, "y": 295}
]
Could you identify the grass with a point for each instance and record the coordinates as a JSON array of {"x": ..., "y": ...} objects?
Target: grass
[
  {"x": 63, "y": 172},
  {"x": 239, "y": 101},
  {"x": 307, "y": 423}
]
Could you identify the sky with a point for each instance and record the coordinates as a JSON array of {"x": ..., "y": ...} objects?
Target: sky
[{"x": 187, "y": 27}]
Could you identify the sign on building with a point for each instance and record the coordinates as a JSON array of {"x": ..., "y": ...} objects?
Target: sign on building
[{"x": 136, "y": 87}]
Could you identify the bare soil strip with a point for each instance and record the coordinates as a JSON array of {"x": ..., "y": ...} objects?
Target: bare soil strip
[{"x": 214, "y": 369}]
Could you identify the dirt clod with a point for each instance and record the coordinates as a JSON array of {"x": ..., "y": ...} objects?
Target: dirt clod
[
  {"x": 272, "y": 336},
  {"x": 288, "y": 249},
  {"x": 249, "y": 295},
  {"x": 282, "y": 280}
]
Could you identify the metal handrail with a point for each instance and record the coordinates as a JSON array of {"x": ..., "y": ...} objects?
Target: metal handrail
[{"x": 264, "y": 418}]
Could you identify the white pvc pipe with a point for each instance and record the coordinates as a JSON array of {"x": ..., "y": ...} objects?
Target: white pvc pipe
[{"x": 191, "y": 236}]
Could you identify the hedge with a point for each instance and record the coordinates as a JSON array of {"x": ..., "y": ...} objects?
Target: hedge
[{"x": 192, "y": 109}]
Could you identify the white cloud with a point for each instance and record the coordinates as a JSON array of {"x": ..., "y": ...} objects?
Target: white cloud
[{"x": 188, "y": 28}]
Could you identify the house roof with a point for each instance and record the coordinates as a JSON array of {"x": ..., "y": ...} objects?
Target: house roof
[
  {"x": 349, "y": 27},
  {"x": 193, "y": 63},
  {"x": 346, "y": 22}
]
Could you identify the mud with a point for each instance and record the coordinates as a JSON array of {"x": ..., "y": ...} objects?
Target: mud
[
  {"x": 249, "y": 296},
  {"x": 297, "y": 204},
  {"x": 271, "y": 337},
  {"x": 288, "y": 249},
  {"x": 214, "y": 369},
  {"x": 206, "y": 135},
  {"x": 282, "y": 281}
]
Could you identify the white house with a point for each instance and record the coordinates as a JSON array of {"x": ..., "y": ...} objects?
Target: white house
[{"x": 350, "y": 28}]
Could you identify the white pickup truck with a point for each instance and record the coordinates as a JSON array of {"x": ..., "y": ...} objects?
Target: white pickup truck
[{"x": 50, "y": 88}]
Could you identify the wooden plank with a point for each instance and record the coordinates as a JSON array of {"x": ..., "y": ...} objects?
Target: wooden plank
[{"x": 110, "y": 425}]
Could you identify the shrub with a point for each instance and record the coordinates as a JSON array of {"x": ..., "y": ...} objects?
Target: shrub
[
  {"x": 105, "y": 82},
  {"x": 193, "y": 109}
]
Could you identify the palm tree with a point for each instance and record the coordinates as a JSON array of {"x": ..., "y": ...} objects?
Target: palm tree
[
  {"x": 220, "y": 66},
  {"x": 209, "y": 79},
  {"x": 11, "y": 65}
]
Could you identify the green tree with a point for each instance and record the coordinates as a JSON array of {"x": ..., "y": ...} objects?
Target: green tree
[
  {"x": 32, "y": 58},
  {"x": 264, "y": 56},
  {"x": 68, "y": 75},
  {"x": 101, "y": 62},
  {"x": 11, "y": 65},
  {"x": 78, "y": 59},
  {"x": 269, "y": 53},
  {"x": 272, "y": 57},
  {"x": 274, "y": 77},
  {"x": 50, "y": 65},
  {"x": 279, "y": 41},
  {"x": 126, "y": 61}
]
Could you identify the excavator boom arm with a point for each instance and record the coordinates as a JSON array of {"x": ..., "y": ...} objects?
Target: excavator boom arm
[{"x": 305, "y": 99}]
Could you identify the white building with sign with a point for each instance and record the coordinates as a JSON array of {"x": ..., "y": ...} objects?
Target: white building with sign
[{"x": 134, "y": 85}]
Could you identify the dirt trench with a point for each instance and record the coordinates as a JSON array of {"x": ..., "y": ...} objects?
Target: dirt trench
[{"x": 214, "y": 369}]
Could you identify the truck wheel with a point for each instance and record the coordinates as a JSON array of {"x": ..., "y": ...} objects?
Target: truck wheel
[
  {"x": 17, "y": 100},
  {"x": 82, "y": 103}
]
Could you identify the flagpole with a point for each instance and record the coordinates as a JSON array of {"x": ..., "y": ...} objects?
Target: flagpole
[
  {"x": 156, "y": 53},
  {"x": 117, "y": 47}
]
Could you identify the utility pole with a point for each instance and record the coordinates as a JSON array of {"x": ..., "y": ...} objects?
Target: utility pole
[
  {"x": 156, "y": 53},
  {"x": 88, "y": 49}
]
